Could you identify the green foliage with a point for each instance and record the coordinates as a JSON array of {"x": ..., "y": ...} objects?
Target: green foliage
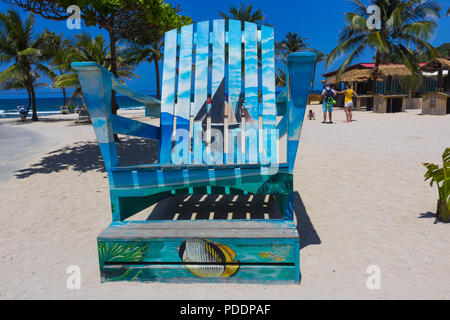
[
  {"x": 441, "y": 177},
  {"x": 293, "y": 43},
  {"x": 443, "y": 51},
  {"x": 24, "y": 52},
  {"x": 244, "y": 13},
  {"x": 118, "y": 252},
  {"x": 122, "y": 252},
  {"x": 407, "y": 25},
  {"x": 88, "y": 48}
]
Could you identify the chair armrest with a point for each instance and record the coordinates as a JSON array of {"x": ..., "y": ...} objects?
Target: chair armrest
[
  {"x": 300, "y": 71},
  {"x": 97, "y": 84},
  {"x": 117, "y": 86}
]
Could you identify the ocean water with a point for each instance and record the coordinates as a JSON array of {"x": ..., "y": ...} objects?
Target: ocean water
[{"x": 50, "y": 106}]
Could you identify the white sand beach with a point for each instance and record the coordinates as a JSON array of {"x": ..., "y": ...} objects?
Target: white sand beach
[{"x": 361, "y": 201}]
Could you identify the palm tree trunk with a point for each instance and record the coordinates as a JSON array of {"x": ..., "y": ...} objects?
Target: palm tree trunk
[
  {"x": 34, "y": 117},
  {"x": 64, "y": 96},
  {"x": 112, "y": 44},
  {"x": 377, "y": 58},
  {"x": 63, "y": 89},
  {"x": 29, "y": 100},
  {"x": 158, "y": 85},
  {"x": 75, "y": 93}
]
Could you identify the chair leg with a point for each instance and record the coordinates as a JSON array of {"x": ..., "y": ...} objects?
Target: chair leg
[{"x": 285, "y": 203}]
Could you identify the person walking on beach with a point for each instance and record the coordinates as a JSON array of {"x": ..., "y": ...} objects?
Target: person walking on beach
[
  {"x": 22, "y": 112},
  {"x": 348, "y": 106},
  {"x": 328, "y": 95}
]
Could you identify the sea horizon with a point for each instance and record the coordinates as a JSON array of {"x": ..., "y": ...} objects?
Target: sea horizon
[
  {"x": 47, "y": 106},
  {"x": 50, "y": 106}
]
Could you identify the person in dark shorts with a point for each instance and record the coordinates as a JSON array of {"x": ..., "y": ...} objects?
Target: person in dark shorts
[{"x": 328, "y": 95}]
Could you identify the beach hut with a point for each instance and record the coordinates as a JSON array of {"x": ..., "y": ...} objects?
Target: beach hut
[
  {"x": 391, "y": 93},
  {"x": 436, "y": 96},
  {"x": 381, "y": 89}
]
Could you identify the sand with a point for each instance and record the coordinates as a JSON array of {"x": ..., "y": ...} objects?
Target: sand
[{"x": 361, "y": 201}]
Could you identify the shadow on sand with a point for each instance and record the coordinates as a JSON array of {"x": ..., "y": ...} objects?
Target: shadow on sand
[
  {"x": 305, "y": 228},
  {"x": 85, "y": 157},
  {"x": 431, "y": 215}
]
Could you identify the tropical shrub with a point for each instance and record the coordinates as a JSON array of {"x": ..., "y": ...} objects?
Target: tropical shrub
[{"x": 441, "y": 176}]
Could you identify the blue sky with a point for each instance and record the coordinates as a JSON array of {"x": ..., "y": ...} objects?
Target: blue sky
[{"x": 319, "y": 21}]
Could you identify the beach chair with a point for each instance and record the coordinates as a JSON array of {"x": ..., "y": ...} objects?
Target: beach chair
[
  {"x": 206, "y": 152},
  {"x": 64, "y": 110}
]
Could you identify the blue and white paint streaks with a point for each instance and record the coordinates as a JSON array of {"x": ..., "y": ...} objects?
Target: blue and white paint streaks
[
  {"x": 168, "y": 95},
  {"x": 201, "y": 87}
]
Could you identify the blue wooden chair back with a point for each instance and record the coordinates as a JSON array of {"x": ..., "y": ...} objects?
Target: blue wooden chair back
[{"x": 218, "y": 93}]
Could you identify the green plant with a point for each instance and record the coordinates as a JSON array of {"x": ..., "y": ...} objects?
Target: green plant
[{"x": 441, "y": 176}]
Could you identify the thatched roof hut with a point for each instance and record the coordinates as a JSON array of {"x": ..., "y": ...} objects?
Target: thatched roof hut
[
  {"x": 438, "y": 70},
  {"x": 392, "y": 70},
  {"x": 436, "y": 65},
  {"x": 355, "y": 75},
  {"x": 377, "y": 73}
]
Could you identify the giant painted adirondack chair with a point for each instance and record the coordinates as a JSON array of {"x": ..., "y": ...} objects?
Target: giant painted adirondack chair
[{"x": 218, "y": 136}]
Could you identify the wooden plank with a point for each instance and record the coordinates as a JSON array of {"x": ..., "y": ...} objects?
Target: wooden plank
[
  {"x": 168, "y": 96},
  {"x": 116, "y": 228},
  {"x": 181, "y": 274},
  {"x": 247, "y": 250},
  {"x": 269, "y": 109},
  {"x": 134, "y": 128},
  {"x": 234, "y": 86},
  {"x": 218, "y": 82},
  {"x": 181, "y": 153},
  {"x": 251, "y": 93},
  {"x": 199, "y": 108},
  {"x": 241, "y": 233},
  {"x": 96, "y": 83}
]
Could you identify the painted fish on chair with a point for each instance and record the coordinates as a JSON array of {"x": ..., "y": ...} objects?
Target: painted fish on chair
[{"x": 217, "y": 258}]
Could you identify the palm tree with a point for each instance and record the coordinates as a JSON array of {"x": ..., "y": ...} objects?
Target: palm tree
[
  {"x": 320, "y": 58},
  {"x": 18, "y": 82},
  {"x": 244, "y": 13},
  {"x": 292, "y": 43},
  {"x": 406, "y": 27},
  {"x": 17, "y": 45},
  {"x": 137, "y": 53},
  {"x": 87, "y": 48},
  {"x": 59, "y": 49}
]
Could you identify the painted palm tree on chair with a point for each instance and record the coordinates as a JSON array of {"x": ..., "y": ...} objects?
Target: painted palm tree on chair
[{"x": 406, "y": 27}]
